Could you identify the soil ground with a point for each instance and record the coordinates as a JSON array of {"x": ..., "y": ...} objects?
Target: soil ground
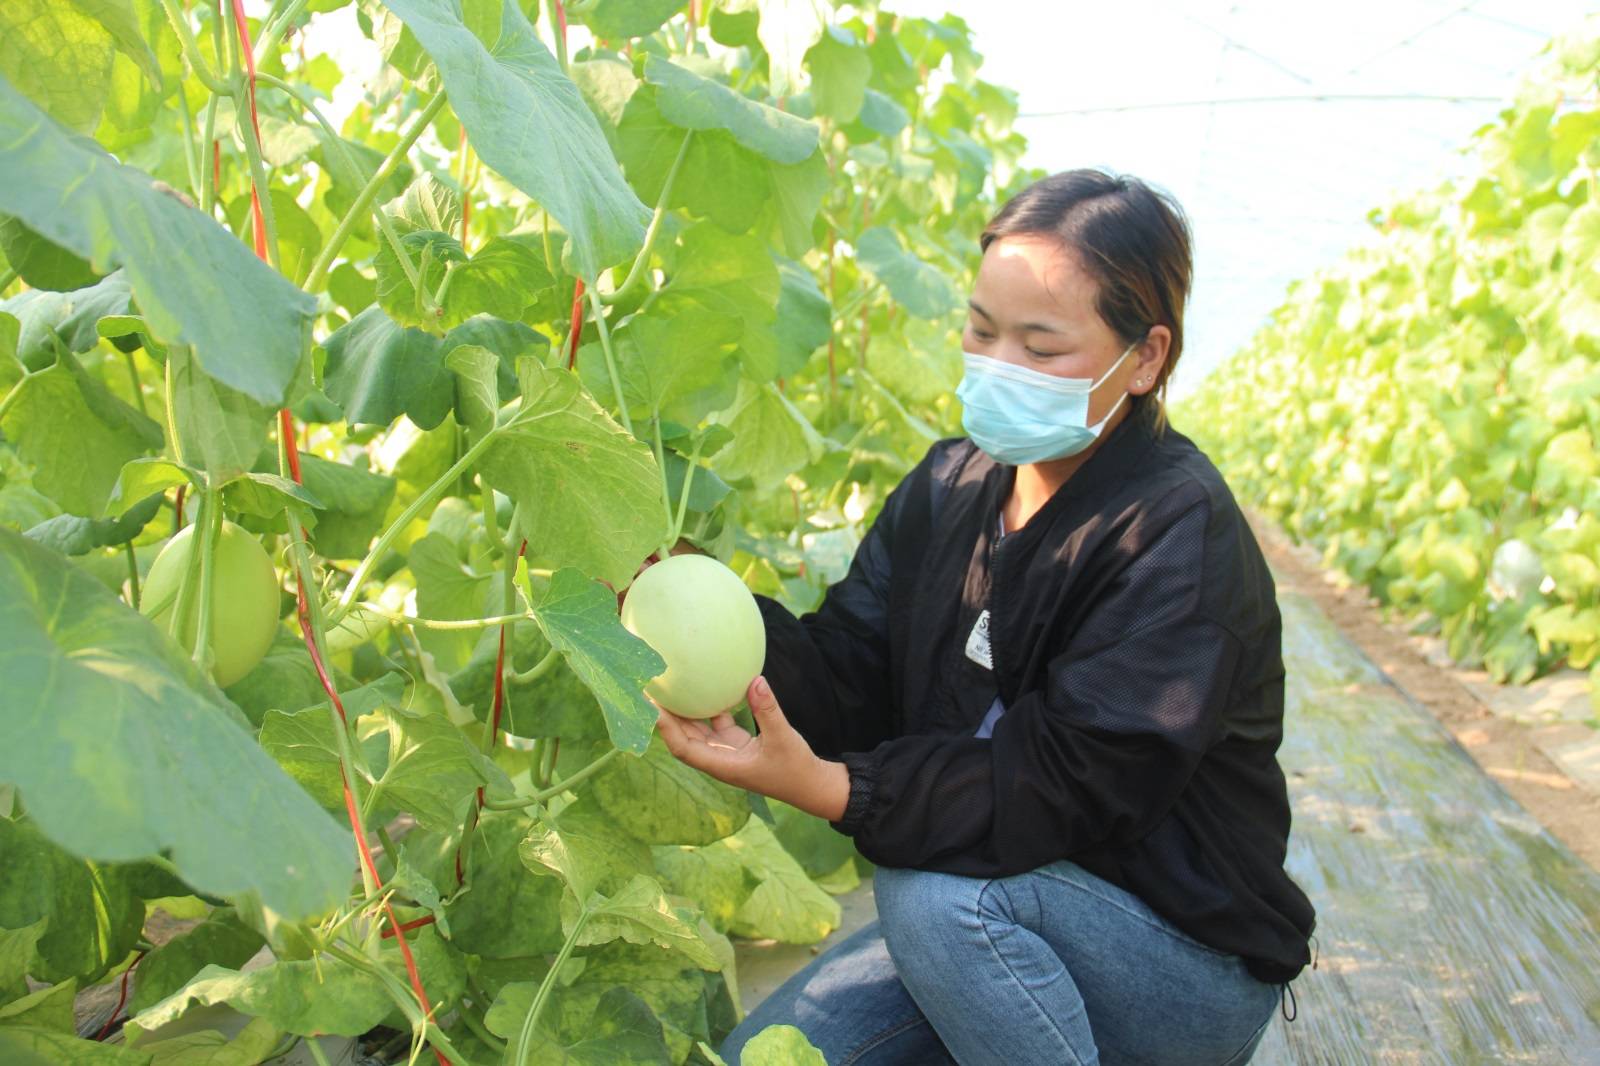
[{"x": 1508, "y": 750}]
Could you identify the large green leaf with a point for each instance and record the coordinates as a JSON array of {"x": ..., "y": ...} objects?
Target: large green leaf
[
  {"x": 922, "y": 289},
  {"x": 528, "y": 121},
  {"x": 307, "y": 996},
  {"x": 589, "y": 492},
  {"x": 787, "y": 905},
  {"x": 123, "y": 748},
  {"x": 38, "y": 262},
  {"x": 46, "y": 320},
  {"x": 623, "y": 1031},
  {"x": 711, "y": 876},
  {"x": 431, "y": 769},
  {"x": 587, "y": 851},
  {"x": 91, "y": 918},
  {"x": 618, "y": 20},
  {"x": 771, "y": 437},
  {"x": 579, "y": 616},
  {"x": 221, "y": 939},
  {"x": 655, "y": 797},
  {"x": 76, "y": 434},
  {"x": 194, "y": 282},
  {"x": 840, "y": 68},
  {"x": 505, "y": 912},
  {"x": 694, "y": 103},
  {"x": 639, "y": 913},
  {"x": 222, "y": 431},
  {"x": 59, "y": 56},
  {"x": 25, "y": 1045}
]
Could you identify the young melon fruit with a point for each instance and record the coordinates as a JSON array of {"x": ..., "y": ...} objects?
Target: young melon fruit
[
  {"x": 244, "y": 599},
  {"x": 698, "y": 616}
]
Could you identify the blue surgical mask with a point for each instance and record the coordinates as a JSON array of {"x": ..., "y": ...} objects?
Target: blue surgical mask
[{"x": 1017, "y": 415}]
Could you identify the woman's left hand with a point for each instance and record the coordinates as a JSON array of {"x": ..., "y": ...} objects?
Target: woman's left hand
[{"x": 777, "y": 762}]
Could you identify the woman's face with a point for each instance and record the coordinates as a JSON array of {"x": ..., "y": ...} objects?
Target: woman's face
[{"x": 1033, "y": 306}]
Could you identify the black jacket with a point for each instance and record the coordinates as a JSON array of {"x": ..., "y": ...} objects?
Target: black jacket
[{"x": 1136, "y": 646}]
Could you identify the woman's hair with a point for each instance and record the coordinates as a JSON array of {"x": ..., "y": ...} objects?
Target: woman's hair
[{"x": 1133, "y": 240}]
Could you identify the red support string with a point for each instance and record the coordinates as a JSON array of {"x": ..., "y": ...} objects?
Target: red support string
[
  {"x": 575, "y": 330},
  {"x": 415, "y": 923},
  {"x": 303, "y": 608},
  {"x": 122, "y": 998}
]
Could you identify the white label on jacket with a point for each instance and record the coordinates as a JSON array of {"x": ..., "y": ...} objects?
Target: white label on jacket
[{"x": 978, "y": 642}]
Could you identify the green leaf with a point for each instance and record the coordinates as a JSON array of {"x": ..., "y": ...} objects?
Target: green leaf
[
  {"x": 91, "y": 919},
  {"x": 840, "y": 68},
  {"x": 640, "y": 914},
  {"x": 674, "y": 988},
  {"x": 221, "y": 939},
  {"x": 618, "y": 20},
  {"x": 143, "y": 478},
  {"x": 76, "y": 434},
  {"x": 506, "y": 278},
  {"x": 817, "y": 846},
  {"x": 797, "y": 195},
  {"x": 504, "y": 912},
  {"x": 787, "y": 905},
  {"x": 781, "y": 1045},
  {"x": 253, "y": 1044},
  {"x": 477, "y": 389},
  {"x": 554, "y": 705},
  {"x": 920, "y": 288},
  {"x": 123, "y": 747},
  {"x": 579, "y": 617},
  {"x": 48, "y": 1008},
  {"x": 623, "y": 1031},
  {"x": 71, "y": 318},
  {"x": 26, "y": 1046},
  {"x": 267, "y": 495},
  {"x": 354, "y": 503},
  {"x": 432, "y": 768},
  {"x": 586, "y": 851},
  {"x": 306, "y": 996},
  {"x": 674, "y": 366},
  {"x": 59, "y": 56},
  {"x": 694, "y": 103},
  {"x": 771, "y": 438},
  {"x": 39, "y": 263},
  {"x": 711, "y": 876},
  {"x": 247, "y": 324},
  {"x": 655, "y": 797},
  {"x": 378, "y": 370},
  {"x": 222, "y": 430},
  {"x": 448, "y": 588},
  {"x": 299, "y": 237},
  {"x": 560, "y": 446},
  {"x": 71, "y": 534},
  {"x": 528, "y": 121},
  {"x": 16, "y": 950}
]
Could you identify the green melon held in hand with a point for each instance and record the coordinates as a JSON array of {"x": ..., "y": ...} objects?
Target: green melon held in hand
[
  {"x": 701, "y": 618},
  {"x": 244, "y": 599}
]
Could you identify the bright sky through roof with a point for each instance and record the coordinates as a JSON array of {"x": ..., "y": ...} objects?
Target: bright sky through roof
[{"x": 1276, "y": 189}]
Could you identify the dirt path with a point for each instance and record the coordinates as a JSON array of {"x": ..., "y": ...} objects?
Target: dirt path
[{"x": 1505, "y": 749}]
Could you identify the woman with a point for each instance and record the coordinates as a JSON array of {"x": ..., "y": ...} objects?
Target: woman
[{"x": 1047, "y": 698}]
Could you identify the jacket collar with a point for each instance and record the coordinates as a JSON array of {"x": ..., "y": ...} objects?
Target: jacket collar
[{"x": 1112, "y": 464}]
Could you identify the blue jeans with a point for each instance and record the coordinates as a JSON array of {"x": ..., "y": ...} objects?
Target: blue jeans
[{"x": 1051, "y": 966}]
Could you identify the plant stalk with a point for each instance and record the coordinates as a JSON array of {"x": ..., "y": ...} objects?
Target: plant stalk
[
  {"x": 531, "y": 1021},
  {"x": 611, "y": 359},
  {"x": 390, "y": 535},
  {"x": 642, "y": 260},
  {"x": 363, "y": 201},
  {"x": 516, "y": 803},
  {"x": 191, "y": 50}
]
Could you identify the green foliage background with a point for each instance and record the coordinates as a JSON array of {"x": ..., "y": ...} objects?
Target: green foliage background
[
  {"x": 1427, "y": 410},
  {"x": 772, "y": 207}
]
